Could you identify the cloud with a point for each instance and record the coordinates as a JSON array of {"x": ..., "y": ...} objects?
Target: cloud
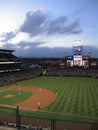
[
  {"x": 32, "y": 49},
  {"x": 42, "y": 35},
  {"x": 39, "y": 22},
  {"x": 92, "y": 49},
  {"x": 42, "y": 52},
  {"x": 5, "y": 37},
  {"x": 40, "y": 26},
  {"x": 19, "y": 38},
  {"x": 33, "y": 23},
  {"x": 55, "y": 25},
  {"x": 22, "y": 47}
]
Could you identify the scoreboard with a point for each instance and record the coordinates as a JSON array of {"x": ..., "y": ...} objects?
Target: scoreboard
[
  {"x": 78, "y": 60},
  {"x": 77, "y": 54},
  {"x": 77, "y": 50}
]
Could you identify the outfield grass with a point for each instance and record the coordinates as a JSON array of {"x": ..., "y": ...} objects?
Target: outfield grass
[{"x": 77, "y": 97}]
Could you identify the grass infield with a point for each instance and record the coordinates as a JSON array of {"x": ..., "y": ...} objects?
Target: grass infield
[
  {"x": 13, "y": 97},
  {"x": 77, "y": 97}
]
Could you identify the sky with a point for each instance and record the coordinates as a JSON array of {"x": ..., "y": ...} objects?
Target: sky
[{"x": 48, "y": 28}]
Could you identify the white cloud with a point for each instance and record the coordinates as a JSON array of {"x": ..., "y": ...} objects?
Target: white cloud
[
  {"x": 18, "y": 47},
  {"x": 1, "y": 45},
  {"x": 52, "y": 42},
  {"x": 20, "y": 37},
  {"x": 39, "y": 22},
  {"x": 27, "y": 47}
]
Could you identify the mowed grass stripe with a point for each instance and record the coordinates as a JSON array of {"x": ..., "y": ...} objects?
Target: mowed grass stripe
[
  {"x": 76, "y": 96},
  {"x": 73, "y": 94},
  {"x": 63, "y": 95},
  {"x": 74, "y": 91}
]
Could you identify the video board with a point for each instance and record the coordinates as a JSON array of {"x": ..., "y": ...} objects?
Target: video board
[
  {"x": 77, "y": 50},
  {"x": 78, "y": 60}
]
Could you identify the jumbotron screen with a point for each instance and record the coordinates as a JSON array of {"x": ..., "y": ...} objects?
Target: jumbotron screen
[
  {"x": 78, "y": 60},
  {"x": 77, "y": 51}
]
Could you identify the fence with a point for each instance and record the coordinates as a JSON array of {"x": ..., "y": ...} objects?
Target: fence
[{"x": 13, "y": 118}]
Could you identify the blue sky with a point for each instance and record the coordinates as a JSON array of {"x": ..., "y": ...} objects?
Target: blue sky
[{"x": 48, "y": 28}]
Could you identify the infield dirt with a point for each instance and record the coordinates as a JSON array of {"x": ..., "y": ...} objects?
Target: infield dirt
[{"x": 41, "y": 98}]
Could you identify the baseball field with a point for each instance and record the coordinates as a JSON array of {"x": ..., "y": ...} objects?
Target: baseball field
[{"x": 63, "y": 98}]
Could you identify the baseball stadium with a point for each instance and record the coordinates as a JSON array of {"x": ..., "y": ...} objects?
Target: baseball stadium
[{"x": 48, "y": 93}]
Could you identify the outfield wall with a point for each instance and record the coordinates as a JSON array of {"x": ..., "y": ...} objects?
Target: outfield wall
[{"x": 13, "y": 119}]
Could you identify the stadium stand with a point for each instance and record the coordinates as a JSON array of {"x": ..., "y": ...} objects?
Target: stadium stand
[
  {"x": 9, "y": 62},
  {"x": 12, "y": 70}
]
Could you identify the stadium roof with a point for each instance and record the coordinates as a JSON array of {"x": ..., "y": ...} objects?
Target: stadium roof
[{"x": 5, "y": 50}]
